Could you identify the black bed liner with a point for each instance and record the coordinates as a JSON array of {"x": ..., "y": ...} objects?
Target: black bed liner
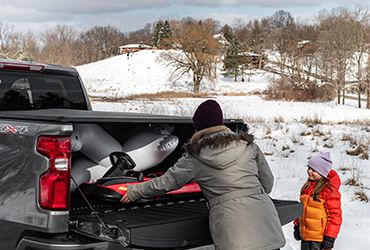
[
  {"x": 163, "y": 224},
  {"x": 168, "y": 223}
]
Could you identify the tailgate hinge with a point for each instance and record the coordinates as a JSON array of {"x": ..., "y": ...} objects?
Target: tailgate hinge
[{"x": 118, "y": 233}]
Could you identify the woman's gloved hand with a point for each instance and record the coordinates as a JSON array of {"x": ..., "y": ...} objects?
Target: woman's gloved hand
[{"x": 125, "y": 198}]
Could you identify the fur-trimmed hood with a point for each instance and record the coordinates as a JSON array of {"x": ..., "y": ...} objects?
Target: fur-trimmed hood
[{"x": 218, "y": 146}]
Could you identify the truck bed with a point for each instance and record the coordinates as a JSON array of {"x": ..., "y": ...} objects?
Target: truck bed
[
  {"x": 160, "y": 224},
  {"x": 170, "y": 223}
]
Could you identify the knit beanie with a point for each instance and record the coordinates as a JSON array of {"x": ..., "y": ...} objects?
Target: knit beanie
[
  {"x": 321, "y": 163},
  {"x": 208, "y": 114}
]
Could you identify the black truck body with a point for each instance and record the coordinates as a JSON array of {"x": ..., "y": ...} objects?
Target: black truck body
[{"x": 40, "y": 106}]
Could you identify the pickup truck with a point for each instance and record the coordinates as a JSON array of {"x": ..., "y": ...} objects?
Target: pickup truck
[{"x": 44, "y": 112}]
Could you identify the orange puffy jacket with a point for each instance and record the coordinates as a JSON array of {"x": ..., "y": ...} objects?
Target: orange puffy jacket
[{"x": 323, "y": 217}]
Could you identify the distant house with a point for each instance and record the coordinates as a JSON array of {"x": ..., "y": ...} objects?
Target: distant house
[
  {"x": 222, "y": 41},
  {"x": 251, "y": 58},
  {"x": 307, "y": 47},
  {"x": 129, "y": 48}
]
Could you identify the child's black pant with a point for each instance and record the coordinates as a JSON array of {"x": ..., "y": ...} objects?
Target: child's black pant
[{"x": 310, "y": 245}]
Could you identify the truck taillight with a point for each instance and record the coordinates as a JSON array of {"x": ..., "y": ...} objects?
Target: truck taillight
[{"x": 54, "y": 183}]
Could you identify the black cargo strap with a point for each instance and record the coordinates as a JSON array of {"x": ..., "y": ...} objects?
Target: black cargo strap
[{"x": 234, "y": 195}]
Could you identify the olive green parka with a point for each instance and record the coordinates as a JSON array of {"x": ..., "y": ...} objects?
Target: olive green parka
[{"x": 235, "y": 178}]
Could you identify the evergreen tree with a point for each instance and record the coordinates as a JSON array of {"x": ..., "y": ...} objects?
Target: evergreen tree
[
  {"x": 228, "y": 33},
  {"x": 157, "y": 33},
  {"x": 231, "y": 67},
  {"x": 166, "y": 30},
  {"x": 162, "y": 31},
  {"x": 164, "y": 35}
]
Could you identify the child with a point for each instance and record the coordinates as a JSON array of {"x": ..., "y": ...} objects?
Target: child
[{"x": 319, "y": 225}]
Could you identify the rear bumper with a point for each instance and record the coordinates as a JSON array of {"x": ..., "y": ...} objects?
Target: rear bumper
[{"x": 59, "y": 243}]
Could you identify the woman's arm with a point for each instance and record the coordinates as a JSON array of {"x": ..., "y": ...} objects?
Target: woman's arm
[
  {"x": 177, "y": 176},
  {"x": 264, "y": 172}
]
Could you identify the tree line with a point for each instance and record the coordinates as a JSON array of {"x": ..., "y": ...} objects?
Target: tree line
[{"x": 324, "y": 58}]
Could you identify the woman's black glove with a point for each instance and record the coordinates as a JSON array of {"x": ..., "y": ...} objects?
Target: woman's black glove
[
  {"x": 327, "y": 243},
  {"x": 297, "y": 234}
]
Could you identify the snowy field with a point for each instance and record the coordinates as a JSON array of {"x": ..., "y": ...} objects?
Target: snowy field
[{"x": 288, "y": 132}]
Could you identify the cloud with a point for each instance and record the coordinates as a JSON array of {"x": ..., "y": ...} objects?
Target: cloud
[
  {"x": 133, "y": 14},
  {"x": 90, "y": 7}
]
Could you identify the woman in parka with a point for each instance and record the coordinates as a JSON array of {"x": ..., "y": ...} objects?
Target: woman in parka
[{"x": 234, "y": 177}]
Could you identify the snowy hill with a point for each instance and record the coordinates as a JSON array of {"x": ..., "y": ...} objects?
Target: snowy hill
[
  {"x": 287, "y": 132},
  {"x": 145, "y": 72},
  {"x": 123, "y": 75}
]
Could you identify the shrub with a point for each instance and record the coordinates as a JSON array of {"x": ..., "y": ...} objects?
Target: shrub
[{"x": 307, "y": 91}]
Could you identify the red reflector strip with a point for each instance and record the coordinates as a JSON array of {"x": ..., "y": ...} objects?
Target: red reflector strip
[{"x": 21, "y": 66}]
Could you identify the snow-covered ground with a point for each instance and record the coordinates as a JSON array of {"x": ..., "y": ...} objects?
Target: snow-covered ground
[
  {"x": 145, "y": 72},
  {"x": 288, "y": 132}
]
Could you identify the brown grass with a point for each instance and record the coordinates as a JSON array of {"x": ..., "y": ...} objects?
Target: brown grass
[
  {"x": 360, "y": 195},
  {"x": 344, "y": 169},
  {"x": 352, "y": 182},
  {"x": 236, "y": 94},
  {"x": 305, "y": 133},
  {"x": 352, "y": 140},
  {"x": 310, "y": 122},
  {"x": 328, "y": 145},
  {"x": 154, "y": 96}
]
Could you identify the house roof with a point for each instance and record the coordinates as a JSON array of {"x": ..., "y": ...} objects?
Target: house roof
[
  {"x": 221, "y": 39},
  {"x": 135, "y": 45},
  {"x": 247, "y": 53}
]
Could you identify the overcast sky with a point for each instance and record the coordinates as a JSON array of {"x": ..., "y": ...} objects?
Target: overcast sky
[{"x": 129, "y": 15}]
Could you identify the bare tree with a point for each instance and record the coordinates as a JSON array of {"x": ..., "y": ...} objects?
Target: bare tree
[
  {"x": 30, "y": 47},
  {"x": 306, "y": 50},
  {"x": 360, "y": 38},
  {"x": 10, "y": 42},
  {"x": 257, "y": 42},
  {"x": 98, "y": 43},
  {"x": 58, "y": 45},
  {"x": 143, "y": 35},
  {"x": 213, "y": 26},
  {"x": 337, "y": 36},
  {"x": 282, "y": 37},
  {"x": 242, "y": 32},
  {"x": 199, "y": 52},
  {"x": 367, "y": 83}
]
